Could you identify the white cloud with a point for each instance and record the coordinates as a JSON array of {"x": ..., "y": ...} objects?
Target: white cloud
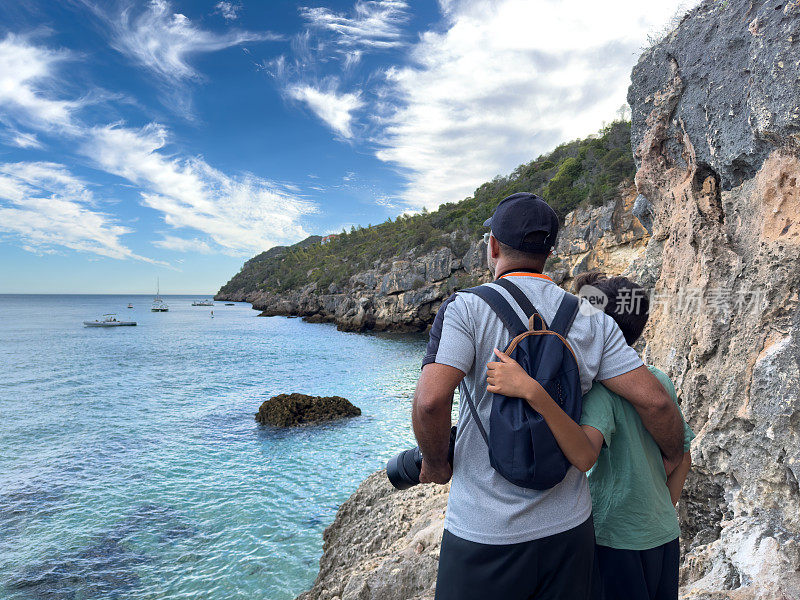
[
  {"x": 373, "y": 24},
  {"x": 47, "y": 207},
  {"x": 25, "y": 140},
  {"x": 228, "y": 10},
  {"x": 333, "y": 108},
  {"x": 179, "y": 244},
  {"x": 163, "y": 41},
  {"x": 241, "y": 215},
  {"x": 26, "y": 77},
  {"x": 505, "y": 82}
]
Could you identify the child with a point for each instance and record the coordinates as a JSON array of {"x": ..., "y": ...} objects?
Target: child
[{"x": 633, "y": 500}]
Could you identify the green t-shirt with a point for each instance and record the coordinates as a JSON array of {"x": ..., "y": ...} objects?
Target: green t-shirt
[{"x": 631, "y": 505}]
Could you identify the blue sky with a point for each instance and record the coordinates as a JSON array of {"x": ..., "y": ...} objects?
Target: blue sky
[{"x": 177, "y": 139}]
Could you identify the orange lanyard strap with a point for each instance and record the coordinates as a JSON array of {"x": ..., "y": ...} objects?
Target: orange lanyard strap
[{"x": 523, "y": 274}]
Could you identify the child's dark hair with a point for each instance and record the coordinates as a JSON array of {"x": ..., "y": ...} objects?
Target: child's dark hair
[{"x": 627, "y": 304}]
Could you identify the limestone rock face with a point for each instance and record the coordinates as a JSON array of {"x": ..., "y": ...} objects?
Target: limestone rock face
[
  {"x": 739, "y": 68},
  {"x": 607, "y": 237},
  {"x": 384, "y": 544},
  {"x": 288, "y": 410},
  {"x": 716, "y": 119}
]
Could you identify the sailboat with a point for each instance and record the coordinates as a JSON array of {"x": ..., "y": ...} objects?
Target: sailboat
[{"x": 158, "y": 304}]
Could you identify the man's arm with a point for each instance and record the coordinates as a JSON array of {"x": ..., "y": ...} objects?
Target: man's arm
[
  {"x": 658, "y": 412},
  {"x": 430, "y": 417}
]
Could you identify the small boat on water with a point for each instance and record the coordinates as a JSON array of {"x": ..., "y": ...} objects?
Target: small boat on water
[
  {"x": 130, "y": 305},
  {"x": 158, "y": 304},
  {"x": 229, "y": 304},
  {"x": 109, "y": 320},
  {"x": 203, "y": 303}
]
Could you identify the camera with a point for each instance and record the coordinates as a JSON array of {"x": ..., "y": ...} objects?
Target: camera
[{"x": 403, "y": 469}]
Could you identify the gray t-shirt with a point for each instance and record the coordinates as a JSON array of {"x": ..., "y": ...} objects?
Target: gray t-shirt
[{"x": 483, "y": 506}]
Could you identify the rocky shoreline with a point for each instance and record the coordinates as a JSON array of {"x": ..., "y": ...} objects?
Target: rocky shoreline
[{"x": 404, "y": 294}]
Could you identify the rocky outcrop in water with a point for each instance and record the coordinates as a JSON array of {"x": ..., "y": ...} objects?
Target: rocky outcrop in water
[
  {"x": 716, "y": 136},
  {"x": 288, "y": 410}
]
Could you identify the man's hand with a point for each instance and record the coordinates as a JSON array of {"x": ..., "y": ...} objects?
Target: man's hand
[
  {"x": 441, "y": 475},
  {"x": 670, "y": 464}
]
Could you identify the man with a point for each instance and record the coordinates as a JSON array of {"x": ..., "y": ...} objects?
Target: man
[{"x": 500, "y": 540}]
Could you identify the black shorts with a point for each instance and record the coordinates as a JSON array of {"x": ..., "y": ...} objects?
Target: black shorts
[
  {"x": 637, "y": 574},
  {"x": 558, "y": 567}
]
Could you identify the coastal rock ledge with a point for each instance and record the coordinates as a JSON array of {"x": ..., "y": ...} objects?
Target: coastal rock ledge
[
  {"x": 289, "y": 410},
  {"x": 383, "y": 544}
]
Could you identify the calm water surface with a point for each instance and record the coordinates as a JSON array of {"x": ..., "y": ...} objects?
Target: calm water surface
[{"x": 130, "y": 463}]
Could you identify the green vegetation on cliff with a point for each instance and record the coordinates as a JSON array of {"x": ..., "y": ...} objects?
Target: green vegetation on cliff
[{"x": 585, "y": 171}]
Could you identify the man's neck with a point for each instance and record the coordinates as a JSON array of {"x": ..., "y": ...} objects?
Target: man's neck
[{"x": 502, "y": 269}]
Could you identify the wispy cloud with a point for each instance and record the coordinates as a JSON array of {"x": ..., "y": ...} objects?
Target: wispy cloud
[
  {"x": 343, "y": 38},
  {"x": 228, "y": 10},
  {"x": 27, "y": 91},
  {"x": 48, "y": 208},
  {"x": 163, "y": 41},
  {"x": 240, "y": 214},
  {"x": 335, "y": 109},
  {"x": 179, "y": 244},
  {"x": 372, "y": 24},
  {"x": 487, "y": 92},
  {"x": 21, "y": 139}
]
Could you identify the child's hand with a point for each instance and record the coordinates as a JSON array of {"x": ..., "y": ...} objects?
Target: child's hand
[{"x": 508, "y": 378}]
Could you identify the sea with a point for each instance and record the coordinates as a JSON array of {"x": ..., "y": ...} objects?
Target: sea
[{"x": 131, "y": 466}]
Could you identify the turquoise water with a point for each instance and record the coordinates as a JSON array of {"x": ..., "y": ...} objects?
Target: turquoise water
[{"x": 130, "y": 463}]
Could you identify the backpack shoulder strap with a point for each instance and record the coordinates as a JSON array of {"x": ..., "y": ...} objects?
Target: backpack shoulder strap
[
  {"x": 474, "y": 411},
  {"x": 565, "y": 315},
  {"x": 501, "y": 308},
  {"x": 519, "y": 297}
]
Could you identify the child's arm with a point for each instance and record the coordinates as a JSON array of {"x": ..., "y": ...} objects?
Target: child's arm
[
  {"x": 581, "y": 445},
  {"x": 677, "y": 478}
]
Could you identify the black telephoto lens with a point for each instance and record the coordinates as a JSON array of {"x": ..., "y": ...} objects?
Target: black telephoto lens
[{"x": 403, "y": 469}]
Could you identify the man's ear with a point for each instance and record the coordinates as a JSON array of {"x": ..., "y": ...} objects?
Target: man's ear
[{"x": 494, "y": 247}]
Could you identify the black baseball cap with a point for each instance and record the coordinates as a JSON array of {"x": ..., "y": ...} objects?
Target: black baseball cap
[{"x": 521, "y": 214}]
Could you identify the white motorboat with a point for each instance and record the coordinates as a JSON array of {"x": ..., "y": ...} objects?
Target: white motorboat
[
  {"x": 203, "y": 303},
  {"x": 158, "y": 304},
  {"x": 130, "y": 305},
  {"x": 109, "y": 320}
]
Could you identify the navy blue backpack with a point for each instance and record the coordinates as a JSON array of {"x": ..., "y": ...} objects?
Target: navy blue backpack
[{"x": 521, "y": 446}]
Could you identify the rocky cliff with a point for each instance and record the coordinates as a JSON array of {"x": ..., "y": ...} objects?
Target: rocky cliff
[
  {"x": 716, "y": 137},
  {"x": 716, "y": 133},
  {"x": 404, "y": 294}
]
